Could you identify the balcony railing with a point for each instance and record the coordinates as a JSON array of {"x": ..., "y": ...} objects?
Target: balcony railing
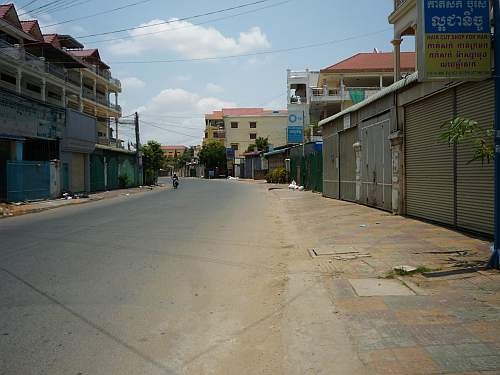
[
  {"x": 89, "y": 94},
  {"x": 102, "y": 100},
  {"x": 104, "y": 73},
  {"x": 116, "y": 107},
  {"x": 398, "y": 3},
  {"x": 337, "y": 94}
]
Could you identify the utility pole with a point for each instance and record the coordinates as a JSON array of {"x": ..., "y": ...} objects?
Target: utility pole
[
  {"x": 116, "y": 135},
  {"x": 495, "y": 257},
  {"x": 138, "y": 149}
]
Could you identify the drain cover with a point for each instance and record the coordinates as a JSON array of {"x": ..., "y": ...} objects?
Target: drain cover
[
  {"x": 337, "y": 250},
  {"x": 379, "y": 287}
]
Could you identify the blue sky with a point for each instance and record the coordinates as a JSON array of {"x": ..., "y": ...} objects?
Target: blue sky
[{"x": 175, "y": 95}]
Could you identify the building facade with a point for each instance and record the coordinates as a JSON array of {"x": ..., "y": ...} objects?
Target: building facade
[
  {"x": 173, "y": 151},
  {"x": 56, "y": 106}
]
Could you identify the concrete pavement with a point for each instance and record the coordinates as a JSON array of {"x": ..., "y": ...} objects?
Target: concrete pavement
[{"x": 217, "y": 278}]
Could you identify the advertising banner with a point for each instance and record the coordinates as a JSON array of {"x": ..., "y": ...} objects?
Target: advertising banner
[{"x": 454, "y": 40}]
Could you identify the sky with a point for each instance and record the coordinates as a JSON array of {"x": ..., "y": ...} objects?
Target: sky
[{"x": 172, "y": 96}]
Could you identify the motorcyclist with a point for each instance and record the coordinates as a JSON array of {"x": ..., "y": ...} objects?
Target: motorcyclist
[{"x": 175, "y": 180}]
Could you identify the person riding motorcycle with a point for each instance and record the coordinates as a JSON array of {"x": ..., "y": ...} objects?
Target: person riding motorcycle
[{"x": 175, "y": 181}]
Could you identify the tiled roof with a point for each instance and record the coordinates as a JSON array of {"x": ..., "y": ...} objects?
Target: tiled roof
[
  {"x": 275, "y": 111},
  {"x": 28, "y": 25},
  {"x": 49, "y": 38},
  {"x": 242, "y": 111},
  {"x": 85, "y": 52},
  {"x": 216, "y": 115},
  {"x": 173, "y": 148},
  {"x": 372, "y": 62},
  {"x": 4, "y": 9}
]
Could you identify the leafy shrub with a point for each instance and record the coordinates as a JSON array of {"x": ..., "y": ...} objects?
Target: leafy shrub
[
  {"x": 123, "y": 181},
  {"x": 277, "y": 176}
]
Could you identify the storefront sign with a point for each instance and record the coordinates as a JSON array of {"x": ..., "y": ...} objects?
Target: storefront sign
[
  {"x": 454, "y": 40},
  {"x": 295, "y": 134}
]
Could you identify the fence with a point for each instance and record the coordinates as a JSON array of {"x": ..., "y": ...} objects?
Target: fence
[
  {"x": 308, "y": 171},
  {"x": 28, "y": 180},
  {"x": 107, "y": 167}
]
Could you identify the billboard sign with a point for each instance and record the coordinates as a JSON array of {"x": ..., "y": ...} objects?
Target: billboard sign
[
  {"x": 295, "y": 118},
  {"x": 295, "y": 134},
  {"x": 454, "y": 40}
]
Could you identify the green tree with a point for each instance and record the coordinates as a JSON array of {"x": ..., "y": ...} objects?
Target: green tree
[
  {"x": 262, "y": 144},
  {"x": 213, "y": 156},
  {"x": 461, "y": 129},
  {"x": 153, "y": 160}
]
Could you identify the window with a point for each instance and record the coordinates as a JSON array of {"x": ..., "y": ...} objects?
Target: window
[
  {"x": 234, "y": 125},
  {"x": 206, "y": 135},
  {"x": 234, "y": 146},
  {"x": 33, "y": 88},
  {"x": 8, "y": 78},
  {"x": 253, "y": 135},
  {"x": 253, "y": 125}
]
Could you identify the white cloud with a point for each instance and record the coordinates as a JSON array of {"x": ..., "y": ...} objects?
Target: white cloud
[
  {"x": 178, "y": 111},
  {"x": 131, "y": 83},
  {"x": 214, "y": 89},
  {"x": 191, "y": 41}
]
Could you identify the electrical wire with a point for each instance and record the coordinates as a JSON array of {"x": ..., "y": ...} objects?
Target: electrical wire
[
  {"x": 45, "y": 6},
  {"x": 268, "y": 52},
  {"x": 191, "y": 25},
  {"x": 169, "y": 130},
  {"x": 27, "y": 4},
  {"x": 99, "y": 13},
  {"x": 171, "y": 21}
]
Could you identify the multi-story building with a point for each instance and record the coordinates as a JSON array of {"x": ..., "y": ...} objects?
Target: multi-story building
[
  {"x": 214, "y": 128},
  {"x": 315, "y": 95},
  {"x": 244, "y": 125},
  {"x": 55, "y": 106},
  {"x": 173, "y": 151}
]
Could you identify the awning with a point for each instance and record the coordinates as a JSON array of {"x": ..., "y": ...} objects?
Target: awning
[{"x": 276, "y": 152}]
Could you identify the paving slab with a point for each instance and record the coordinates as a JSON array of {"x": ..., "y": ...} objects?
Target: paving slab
[{"x": 379, "y": 287}]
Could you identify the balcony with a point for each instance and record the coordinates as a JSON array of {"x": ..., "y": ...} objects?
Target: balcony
[
  {"x": 106, "y": 74},
  {"x": 115, "y": 107},
  {"x": 88, "y": 93},
  {"x": 322, "y": 95},
  {"x": 399, "y": 3}
]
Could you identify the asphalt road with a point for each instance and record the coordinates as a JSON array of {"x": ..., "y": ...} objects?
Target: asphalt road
[{"x": 170, "y": 282}]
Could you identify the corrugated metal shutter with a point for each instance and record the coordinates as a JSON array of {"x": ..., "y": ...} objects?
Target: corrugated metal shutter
[
  {"x": 77, "y": 172},
  {"x": 348, "y": 164},
  {"x": 330, "y": 170},
  {"x": 97, "y": 173},
  {"x": 475, "y": 182},
  {"x": 429, "y": 162},
  {"x": 376, "y": 171}
]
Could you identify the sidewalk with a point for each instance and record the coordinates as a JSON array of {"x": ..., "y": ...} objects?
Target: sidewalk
[
  {"x": 395, "y": 324},
  {"x": 10, "y": 210}
]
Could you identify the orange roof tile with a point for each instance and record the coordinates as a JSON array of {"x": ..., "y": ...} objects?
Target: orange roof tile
[
  {"x": 242, "y": 111},
  {"x": 4, "y": 9},
  {"x": 216, "y": 115},
  {"x": 372, "y": 62}
]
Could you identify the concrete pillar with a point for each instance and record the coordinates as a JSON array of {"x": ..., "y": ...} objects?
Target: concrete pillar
[
  {"x": 381, "y": 79},
  {"x": 44, "y": 89},
  {"x": 87, "y": 173},
  {"x": 357, "y": 150},
  {"x": 397, "y": 58},
  {"x": 396, "y": 140},
  {"x": 19, "y": 80},
  {"x": 116, "y": 99},
  {"x": 63, "y": 97},
  {"x": 18, "y": 150}
]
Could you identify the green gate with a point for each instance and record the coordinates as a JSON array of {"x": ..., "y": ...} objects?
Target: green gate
[
  {"x": 97, "y": 173},
  {"x": 308, "y": 171},
  {"x": 65, "y": 177}
]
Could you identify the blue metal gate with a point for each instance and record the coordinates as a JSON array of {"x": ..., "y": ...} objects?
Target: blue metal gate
[{"x": 28, "y": 180}]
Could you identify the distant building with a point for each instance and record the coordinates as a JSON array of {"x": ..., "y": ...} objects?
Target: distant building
[
  {"x": 315, "y": 95},
  {"x": 174, "y": 151}
]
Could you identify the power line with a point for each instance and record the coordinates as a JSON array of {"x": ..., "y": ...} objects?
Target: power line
[
  {"x": 268, "y": 52},
  {"x": 54, "y": 2},
  {"x": 169, "y": 130},
  {"x": 99, "y": 13},
  {"x": 57, "y": 7},
  {"x": 191, "y": 25},
  {"x": 28, "y": 4},
  {"x": 171, "y": 21}
]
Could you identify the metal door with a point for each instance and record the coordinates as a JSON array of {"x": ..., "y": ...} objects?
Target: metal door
[{"x": 347, "y": 164}]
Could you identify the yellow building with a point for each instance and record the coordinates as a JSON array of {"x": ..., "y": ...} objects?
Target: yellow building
[
  {"x": 244, "y": 125},
  {"x": 214, "y": 128},
  {"x": 173, "y": 151}
]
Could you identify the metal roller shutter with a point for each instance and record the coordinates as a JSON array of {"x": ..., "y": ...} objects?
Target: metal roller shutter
[
  {"x": 475, "y": 183},
  {"x": 347, "y": 164},
  {"x": 429, "y": 162},
  {"x": 77, "y": 172},
  {"x": 330, "y": 171}
]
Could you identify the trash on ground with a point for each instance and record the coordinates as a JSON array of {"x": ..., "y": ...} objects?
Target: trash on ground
[
  {"x": 363, "y": 226},
  {"x": 404, "y": 268}
]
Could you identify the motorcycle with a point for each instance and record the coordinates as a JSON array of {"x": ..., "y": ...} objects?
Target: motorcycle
[{"x": 175, "y": 183}]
